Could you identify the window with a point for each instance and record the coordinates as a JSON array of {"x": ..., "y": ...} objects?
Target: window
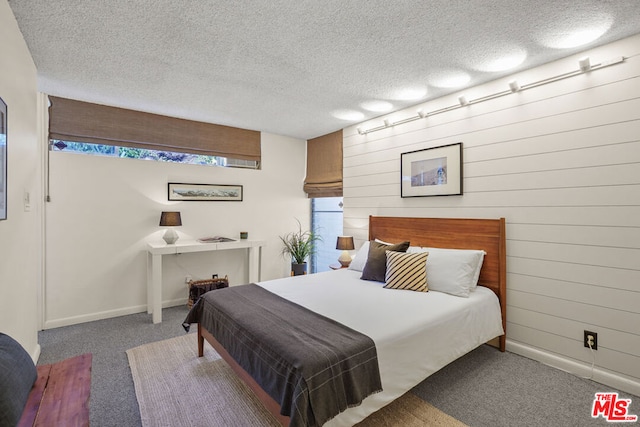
[
  {"x": 148, "y": 136},
  {"x": 326, "y": 221},
  {"x": 146, "y": 154}
]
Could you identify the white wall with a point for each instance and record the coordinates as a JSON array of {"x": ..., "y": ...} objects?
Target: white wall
[
  {"x": 561, "y": 163},
  {"x": 20, "y": 234},
  {"x": 103, "y": 211}
]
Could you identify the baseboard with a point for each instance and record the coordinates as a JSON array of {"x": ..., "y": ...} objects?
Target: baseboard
[
  {"x": 74, "y": 320},
  {"x": 36, "y": 353},
  {"x": 174, "y": 302},
  {"x": 574, "y": 367}
]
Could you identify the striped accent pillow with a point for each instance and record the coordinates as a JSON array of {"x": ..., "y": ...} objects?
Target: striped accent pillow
[{"x": 406, "y": 271}]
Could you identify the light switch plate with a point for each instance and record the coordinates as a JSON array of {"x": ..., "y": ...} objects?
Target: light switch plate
[{"x": 27, "y": 201}]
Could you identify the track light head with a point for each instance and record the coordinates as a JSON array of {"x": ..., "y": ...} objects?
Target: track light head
[
  {"x": 514, "y": 86},
  {"x": 585, "y": 64}
]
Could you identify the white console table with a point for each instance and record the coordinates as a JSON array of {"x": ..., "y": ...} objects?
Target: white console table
[{"x": 156, "y": 250}]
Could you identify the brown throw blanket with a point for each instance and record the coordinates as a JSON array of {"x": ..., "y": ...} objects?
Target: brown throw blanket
[{"x": 313, "y": 366}]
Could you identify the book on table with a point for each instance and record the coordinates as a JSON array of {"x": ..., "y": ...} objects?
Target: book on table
[{"x": 215, "y": 239}]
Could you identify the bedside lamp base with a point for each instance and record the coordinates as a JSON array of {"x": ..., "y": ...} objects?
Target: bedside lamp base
[
  {"x": 170, "y": 236},
  {"x": 345, "y": 259}
]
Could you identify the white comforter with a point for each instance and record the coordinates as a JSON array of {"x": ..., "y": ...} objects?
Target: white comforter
[{"x": 415, "y": 333}]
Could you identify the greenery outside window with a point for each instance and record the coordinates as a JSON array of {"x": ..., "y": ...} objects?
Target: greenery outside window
[
  {"x": 146, "y": 154},
  {"x": 326, "y": 222}
]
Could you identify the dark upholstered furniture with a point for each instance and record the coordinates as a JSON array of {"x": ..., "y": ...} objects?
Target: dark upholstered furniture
[
  {"x": 47, "y": 395},
  {"x": 17, "y": 375}
]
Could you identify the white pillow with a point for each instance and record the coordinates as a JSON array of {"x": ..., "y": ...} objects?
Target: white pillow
[
  {"x": 454, "y": 271},
  {"x": 360, "y": 259},
  {"x": 476, "y": 275},
  {"x": 383, "y": 242},
  {"x": 415, "y": 250}
]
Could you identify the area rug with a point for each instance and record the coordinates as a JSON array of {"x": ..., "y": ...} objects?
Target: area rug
[{"x": 175, "y": 387}]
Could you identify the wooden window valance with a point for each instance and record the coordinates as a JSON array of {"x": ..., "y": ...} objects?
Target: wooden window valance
[
  {"x": 324, "y": 166},
  {"x": 78, "y": 121}
]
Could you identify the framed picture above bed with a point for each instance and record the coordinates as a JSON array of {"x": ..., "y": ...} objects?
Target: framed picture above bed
[
  {"x": 204, "y": 192},
  {"x": 432, "y": 171},
  {"x": 3, "y": 160}
]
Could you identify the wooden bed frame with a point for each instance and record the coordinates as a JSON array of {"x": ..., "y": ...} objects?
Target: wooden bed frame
[{"x": 454, "y": 233}]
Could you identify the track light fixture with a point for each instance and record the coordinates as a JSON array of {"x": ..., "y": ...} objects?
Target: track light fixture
[
  {"x": 585, "y": 64},
  {"x": 514, "y": 86}
]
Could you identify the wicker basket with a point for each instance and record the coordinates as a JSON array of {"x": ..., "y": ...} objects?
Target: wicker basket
[{"x": 199, "y": 287}]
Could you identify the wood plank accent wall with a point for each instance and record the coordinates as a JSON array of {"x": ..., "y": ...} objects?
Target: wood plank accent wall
[{"x": 561, "y": 163}]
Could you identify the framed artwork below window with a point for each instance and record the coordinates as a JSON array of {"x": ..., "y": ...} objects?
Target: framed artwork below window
[{"x": 205, "y": 192}]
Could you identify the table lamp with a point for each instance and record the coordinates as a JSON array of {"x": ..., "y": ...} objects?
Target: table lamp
[
  {"x": 345, "y": 243},
  {"x": 170, "y": 219}
]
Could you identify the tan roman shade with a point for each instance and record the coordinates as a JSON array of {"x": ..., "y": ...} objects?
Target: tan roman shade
[
  {"x": 78, "y": 121},
  {"x": 324, "y": 166}
]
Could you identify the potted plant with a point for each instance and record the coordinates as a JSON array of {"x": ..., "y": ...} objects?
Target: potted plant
[{"x": 299, "y": 245}]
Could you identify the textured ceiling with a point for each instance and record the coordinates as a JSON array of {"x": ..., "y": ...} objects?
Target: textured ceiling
[{"x": 288, "y": 66}]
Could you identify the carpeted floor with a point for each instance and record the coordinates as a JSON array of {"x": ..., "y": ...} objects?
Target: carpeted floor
[
  {"x": 113, "y": 399},
  {"x": 168, "y": 374},
  {"x": 487, "y": 388},
  {"x": 483, "y": 388}
]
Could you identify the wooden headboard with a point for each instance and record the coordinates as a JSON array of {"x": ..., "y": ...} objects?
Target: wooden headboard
[{"x": 455, "y": 233}]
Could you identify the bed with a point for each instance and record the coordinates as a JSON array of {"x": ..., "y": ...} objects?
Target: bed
[{"x": 411, "y": 342}]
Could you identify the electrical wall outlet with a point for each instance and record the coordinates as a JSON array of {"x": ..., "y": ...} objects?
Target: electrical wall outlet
[
  {"x": 187, "y": 279},
  {"x": 590, "y": 338}
]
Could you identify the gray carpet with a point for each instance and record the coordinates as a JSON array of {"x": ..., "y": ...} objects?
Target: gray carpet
[
  {"x": 487, "y": 388},
  {"x": 113, "y": 399},
  {"x": 483, "y": 388}
]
